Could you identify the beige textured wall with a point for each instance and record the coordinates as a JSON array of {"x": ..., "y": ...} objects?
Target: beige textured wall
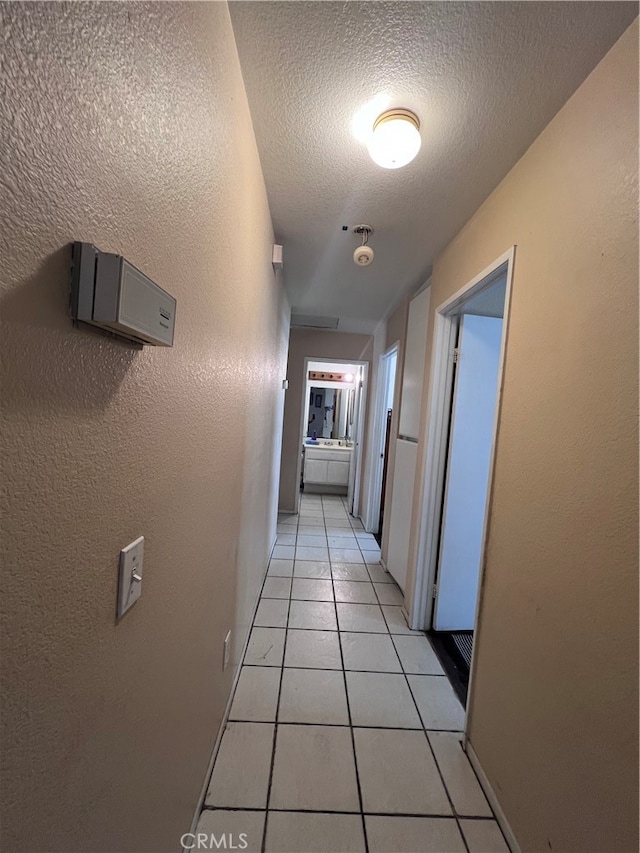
[
  {"x": 127, "y": 125},
  {"x": 554, "y": 716},
  {"x": 316, "y": 344}
]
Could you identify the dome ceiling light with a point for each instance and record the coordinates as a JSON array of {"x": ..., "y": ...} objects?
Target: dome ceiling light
[{"x": 395, "y": 139}]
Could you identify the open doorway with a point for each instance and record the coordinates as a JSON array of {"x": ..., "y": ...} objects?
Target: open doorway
[
  {"x": 331, "y": 429},
  {"x": 384, "y": 411},
  {"x": 469, "y": 342}
]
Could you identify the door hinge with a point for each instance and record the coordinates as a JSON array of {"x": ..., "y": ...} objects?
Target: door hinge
[
  {"x": 455, "y": 355},
  {"x": 434, "y": 591}
]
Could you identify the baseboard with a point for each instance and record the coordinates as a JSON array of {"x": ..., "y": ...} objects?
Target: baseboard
[
  {"x": 227, "y": 710},
  {"x": 493, "y": 800}
]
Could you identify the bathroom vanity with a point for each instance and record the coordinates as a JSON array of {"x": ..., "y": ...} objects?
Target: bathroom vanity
[{"x": 326, "y": 466}]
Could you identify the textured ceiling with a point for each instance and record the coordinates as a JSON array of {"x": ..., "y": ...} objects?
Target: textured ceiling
[{"x": 485, "y": 79}]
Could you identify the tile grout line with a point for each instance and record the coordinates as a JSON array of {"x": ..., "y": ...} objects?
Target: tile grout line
[
  {"x": 232, "y": 697},
  {"x": 351, "y": 732},
  {"x": 431, "y": 750},
  {"x": 475, "y": 818},
  {"x": 275, "y": 725},
  {"x": 454, "y": 814}
]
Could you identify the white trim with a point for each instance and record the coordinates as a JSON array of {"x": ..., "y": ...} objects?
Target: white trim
[
  {"x": 489, "y": 501},
  {"x": 227, "y": 709},
  {"x": 359, "y": 442},
  {"x": 420, "y": 605},
  {"x": 379, "y": 411},
  {"x": 489, "y": 793}
]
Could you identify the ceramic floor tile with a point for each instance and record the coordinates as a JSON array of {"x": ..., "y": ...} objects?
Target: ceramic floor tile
[
  {"x": 313, "y": 696},
  {"x": 365, "y": 537},
  {"x": 311, "y": 526},
  {"x": 438, "y": 704},
  {"x": 398, "y": 774},
  {"x": 346, "y": 555},
  {"x": 396, "y": 621},
  {"x": 306, "y": 553},
  {"x": 331, "y": 514},
  {"x": 241, "y": 773},
  {"x": 484, "y": 836},
  {"x": 342, "y": 541},
  {"x": 314, "y": 769},
  {"x": 357, "y": 524},
  {"x": 315, "y": 649},
  {"x": 381, "y": 699},
  {"x": 361, "y": 617},
  {"x": 290, "y": 832},
  {"x": 256, "y": 697},
  {"x": 349, "y": 572},
  {"x": 389, "y": 593},
  {"x": 357, "y": 592},
  {"x": 413, "y": 835},
  {"x": 280, "y": 568},
  {"x": 335, "y": 525},
  {"x": 283, "y": 552},
  {"x": 340, "y": 533},
  {"x": 312, "y": 589},
  {"x": 285, "y": 528},
  {"x": 379, "y": 575},
  {"x": 369, "y": 545},
  {"x": 369, "y": 652},
  {"x": 309, "y": 541},
  {"x": 417, "y": 655},
  {"x": 231, "y": 825},
  {"x": 312, "y": 569},
  {"x": 288, "y": 519},
  {"x": 276, "y": 587},
  {"x": 316, "y": 615},
  {"x": 265, "y": 648},
  {"x": 371, "y": 556},
  {"x": 272, "y": 613},
  {"x": 286, "y": 539},
  {"x": 461, "y": 781}
]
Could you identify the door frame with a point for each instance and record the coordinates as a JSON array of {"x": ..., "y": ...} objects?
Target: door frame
[
  {"x": 420, "y": 607},
  {"x": 357, "y": 456},
  {"x": 379, "y": 432}
]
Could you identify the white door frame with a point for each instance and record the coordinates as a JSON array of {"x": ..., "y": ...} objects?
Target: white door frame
[
  {"x": 379, "y": 429},
  {"x": 357, "y": 456},
  {"x": 420, "y": 608}
]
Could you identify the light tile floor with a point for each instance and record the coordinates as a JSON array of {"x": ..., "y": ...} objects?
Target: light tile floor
[{"x": 344, "y": 733}]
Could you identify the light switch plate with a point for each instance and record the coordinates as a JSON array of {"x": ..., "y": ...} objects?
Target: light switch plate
[{"x": 130, "y": 582}]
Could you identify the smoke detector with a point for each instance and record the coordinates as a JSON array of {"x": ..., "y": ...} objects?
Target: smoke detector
[{"x": 363, "y": 255}]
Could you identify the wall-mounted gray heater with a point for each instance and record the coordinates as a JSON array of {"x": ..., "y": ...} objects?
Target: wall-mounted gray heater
[{"x": 110, "y": 294}]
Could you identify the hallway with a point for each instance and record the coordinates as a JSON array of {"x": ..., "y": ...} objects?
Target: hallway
[{"x": 366, "y": 727}]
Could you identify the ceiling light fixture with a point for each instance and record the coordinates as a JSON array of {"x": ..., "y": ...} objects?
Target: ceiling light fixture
[
  {"x": 395, "y": 140},
  {"x": 363, "y": 255}
]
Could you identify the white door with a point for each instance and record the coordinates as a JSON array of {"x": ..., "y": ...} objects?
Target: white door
[
  {"x": 413, "y": 372},
  {"x": 471, "y": 437},
  {"x": 356, "y": 435},
  {"x": 401, "y": 503}
]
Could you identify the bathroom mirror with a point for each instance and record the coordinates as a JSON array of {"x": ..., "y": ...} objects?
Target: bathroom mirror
[{"x": 330, "y": 412}]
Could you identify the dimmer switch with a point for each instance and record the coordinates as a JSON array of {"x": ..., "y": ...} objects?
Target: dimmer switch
[{"x": 130, "y": 581}]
